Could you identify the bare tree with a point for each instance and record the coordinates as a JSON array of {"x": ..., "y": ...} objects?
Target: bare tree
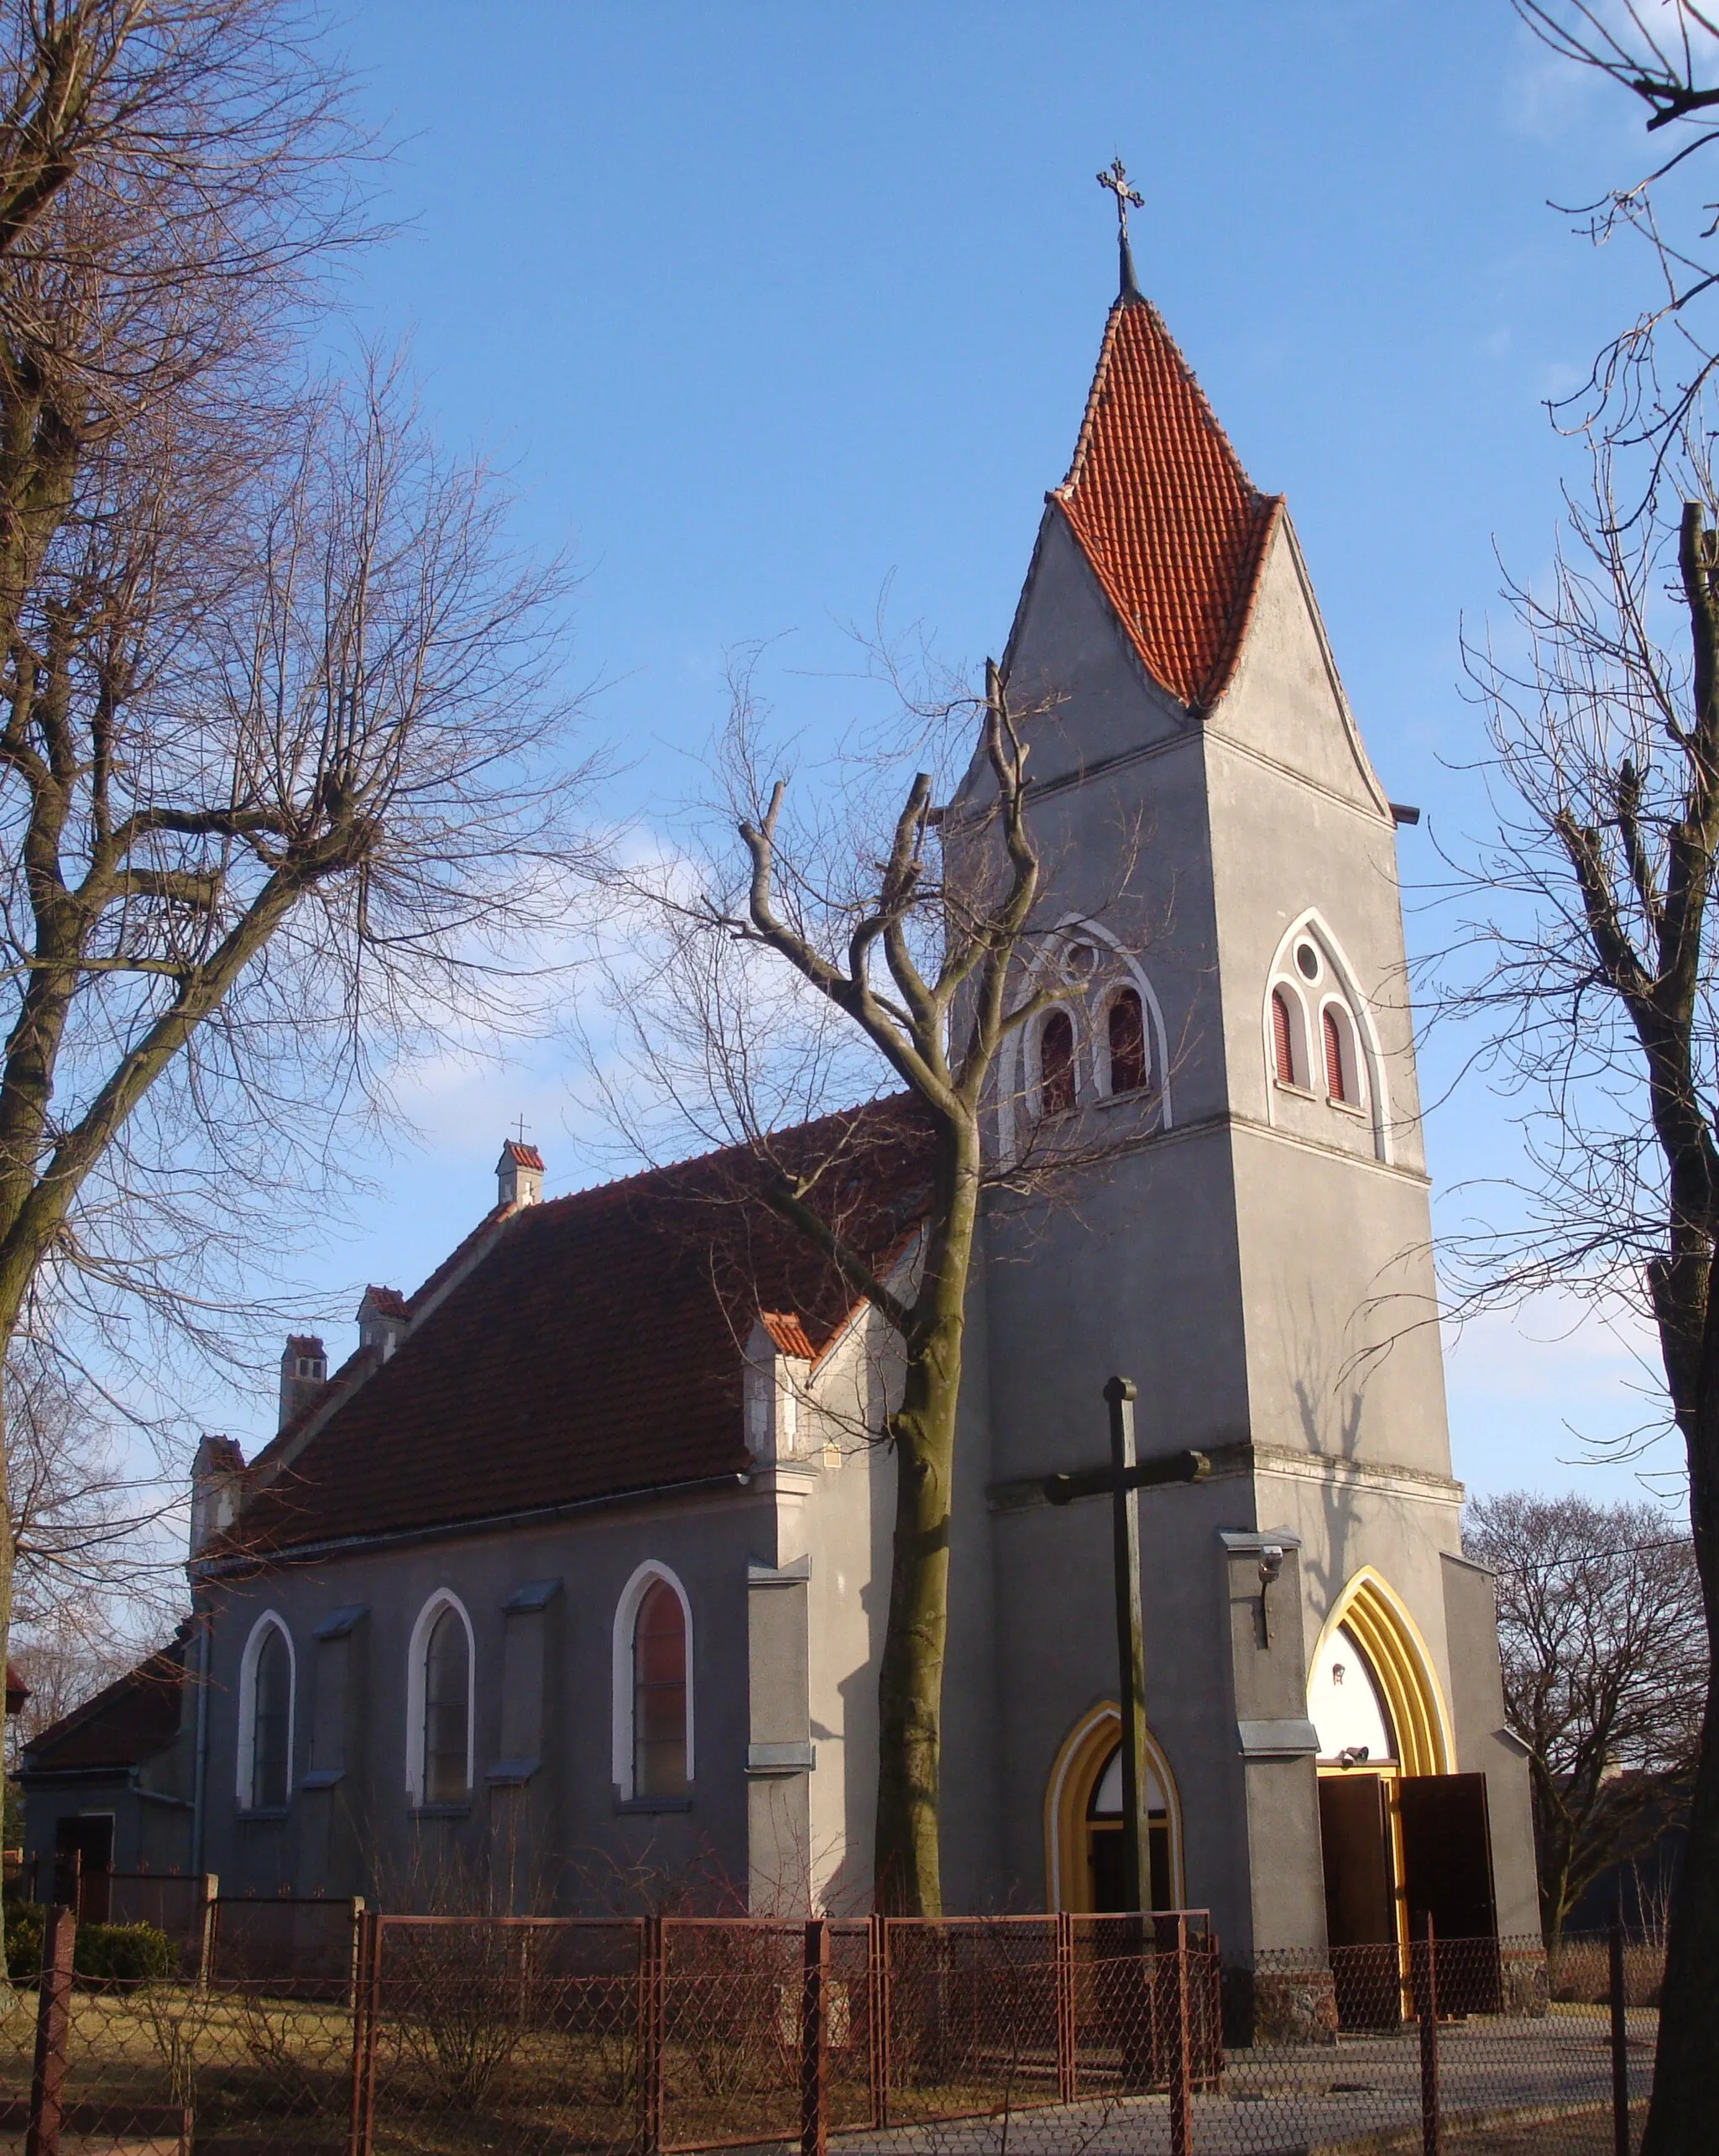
[
  {"x": 282, "y": 796},
  {"x": 1590, "y": 968},
  {"x": 907, "y": 932},
  {"x": 1605, "y": 1650},
  {"x": 1646, "y": 381}
]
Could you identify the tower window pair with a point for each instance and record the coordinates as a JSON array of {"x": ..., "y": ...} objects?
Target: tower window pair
[
  {"x": 1127, "y": 1064},
  {"x": 1315, "y": 1039}
]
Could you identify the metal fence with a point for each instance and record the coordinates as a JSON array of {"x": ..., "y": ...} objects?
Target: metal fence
[{"x": 1075, "y": 2036}]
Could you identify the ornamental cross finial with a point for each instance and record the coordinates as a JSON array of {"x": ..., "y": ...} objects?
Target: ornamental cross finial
[
  {"x": 522, "y": 1129},
  {"x": 1116, "y": 180}
]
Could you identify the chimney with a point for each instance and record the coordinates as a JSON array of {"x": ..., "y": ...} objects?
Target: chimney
[
  {"x": 304, "y": 1371},
  {"x": 518, "y": 1175},
  {"x": 216, "y": 1473},
  {"x": 383, "y": 1320}
]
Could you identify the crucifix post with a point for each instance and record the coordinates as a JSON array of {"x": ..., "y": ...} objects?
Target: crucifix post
[{"x": 1124, "y": 1475}]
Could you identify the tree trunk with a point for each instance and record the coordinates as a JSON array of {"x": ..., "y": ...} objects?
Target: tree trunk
[
  {"x": 1680, "y": 2113},
  {"x": 908, "y": 1873}
]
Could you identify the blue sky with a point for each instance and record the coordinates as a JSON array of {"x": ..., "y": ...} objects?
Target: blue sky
[{"x": 765, "y": 307}]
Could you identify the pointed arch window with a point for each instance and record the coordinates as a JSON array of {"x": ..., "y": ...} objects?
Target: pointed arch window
[
  {"x": 1056, "y": 1064},
  {"x": 265, "y": 1717},
  {"x": 660, "y": 1693},
  {"x": 1125, "y": 1022},
  {"x": 447, "y": 1710},
  {"x": 1282, "y": 1038}
]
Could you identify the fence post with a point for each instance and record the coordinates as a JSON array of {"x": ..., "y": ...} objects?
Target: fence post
[
  {"x": 367, "y": 1989},
  {"x": 1067, "y": 2053},
  {"x": 1620, "y": 2052},
  {"x": 1423, "y": 1957},
  {"x": 53, "y": 2020},
  {"x": 877, "y": 1971},
  {"x": 814, "y": 2040},
  {"x": 652, "y": 2018},
  {"x": 1181, "y": 2065},
  {"x": 205, "y": 1931}
]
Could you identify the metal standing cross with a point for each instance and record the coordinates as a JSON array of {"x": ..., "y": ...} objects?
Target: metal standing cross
[
  {"x": 1116, "y": 180},
  {"x": 521, "y": 1120},
  {"x": 1124, "y": 1476}
]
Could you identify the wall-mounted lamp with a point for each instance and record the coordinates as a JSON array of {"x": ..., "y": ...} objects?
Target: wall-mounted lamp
[
  {"x": 1352, "y": 1756},
  {"x": 1271, "y": 1565}
]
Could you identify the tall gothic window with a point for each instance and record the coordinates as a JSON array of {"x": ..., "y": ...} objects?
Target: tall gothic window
[
  {"x": 271, "y": 1721},
  {"x": 1336, "y": 1082},
  {"x": 660, "y": 1693},
  {"x": 1056, "y": 1064},
  {"x": 447, "y": 1710},
  {"x": 1282, "y": 1038},
  {"x": 1126, "y": 1023}
]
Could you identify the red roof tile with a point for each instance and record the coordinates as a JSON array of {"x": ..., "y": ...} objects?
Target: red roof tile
[
  {"x": 789, "y": 1335},
  {"x": 127, "y": 1722},
  {"x": 522, "y": 1156},
  {"x": 595, "y": 1347},
  {"x": 386, "y": 1302},
  {"x": 1158, "y": 500}
]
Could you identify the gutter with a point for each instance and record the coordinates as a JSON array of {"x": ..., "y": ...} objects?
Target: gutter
[
  {"x": 237, "y": 1566},
  {"x": 200, "y": 1774}
]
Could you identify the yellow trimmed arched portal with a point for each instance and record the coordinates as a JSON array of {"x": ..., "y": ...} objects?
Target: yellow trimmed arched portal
[
  {"x": 1080, "y": 1818},
  {"x": 1373, "y": 1696},
  {"x": 1374, "y": 1616}
]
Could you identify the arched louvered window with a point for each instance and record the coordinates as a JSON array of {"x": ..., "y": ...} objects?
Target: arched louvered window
[
  {"x": 1127, "y": 1031},
  {"x": 271, "y": 1722},
  {"x": 447, "y": 1710},
  {"x": 1056, "y": 1064},
  {"x": 1282, "y": 1038},
  {"x": 1333, "y": 1033},
  {"x": 660, "y": 1693}
]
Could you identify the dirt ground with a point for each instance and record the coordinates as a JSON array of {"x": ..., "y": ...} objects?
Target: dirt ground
[{"x": 1590, "y": 2136}]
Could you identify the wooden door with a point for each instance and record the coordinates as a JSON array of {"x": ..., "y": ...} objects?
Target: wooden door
[{"x": 1447, "y": 1867}]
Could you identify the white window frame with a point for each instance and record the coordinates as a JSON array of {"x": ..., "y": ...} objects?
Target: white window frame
[
  {"x": 1036, "y": 1055},
  {"x": 1349, "y": 1060},
  {"x": 443, "y": 1599},
  {"x": 1108, "y": 993},
  {"x": 1300, "y": 1046},
  {"x": 626, "y": 1613},
  {"x": 1337, "y": 986},
  {"x": 270, "y": 1620}
]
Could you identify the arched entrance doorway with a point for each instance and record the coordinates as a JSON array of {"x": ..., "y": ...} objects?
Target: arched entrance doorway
[
  {"x": 1403, "y": 1836},
  {"x": 1084, "y": 1820}
]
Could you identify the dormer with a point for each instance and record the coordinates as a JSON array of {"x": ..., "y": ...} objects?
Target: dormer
[
  {"x": 518, "y": 1175},
  {"x": 383, "y": 1321}
]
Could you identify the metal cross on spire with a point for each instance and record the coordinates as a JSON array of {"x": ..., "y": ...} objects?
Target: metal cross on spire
[
  {"x": 522, "y": 1129},
  {"x": 1116, "y": 181}
]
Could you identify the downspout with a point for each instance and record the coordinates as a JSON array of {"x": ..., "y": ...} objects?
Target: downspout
[{"x": 201, "y": 1775}]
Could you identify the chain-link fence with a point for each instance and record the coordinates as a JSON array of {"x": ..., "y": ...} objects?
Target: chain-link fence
[{"x": 317, "y": 2029}]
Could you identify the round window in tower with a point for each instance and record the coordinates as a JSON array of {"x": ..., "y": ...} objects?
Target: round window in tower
[{"x": 1308, "y": 959}]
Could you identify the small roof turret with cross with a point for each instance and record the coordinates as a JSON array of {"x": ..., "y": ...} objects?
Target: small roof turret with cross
[{"x": 1116, "y": 179}]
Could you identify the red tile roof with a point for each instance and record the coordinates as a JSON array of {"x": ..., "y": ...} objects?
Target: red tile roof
[
  {"x": 595, "y": 1347},
  {"x": 17, "y": 1691},
  {"x": 788, "y": 1334},
  {"x": 522, "y": 1156},
  {"x": 303, "y": 1343},
  {"x": 1158, "y": 500},
  {"x": 126, "y": 1723},
  {"x": 386, "y": 1302}
]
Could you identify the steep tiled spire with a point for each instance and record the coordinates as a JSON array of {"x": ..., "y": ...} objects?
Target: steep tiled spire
[{"x": 1158, "y": 500}]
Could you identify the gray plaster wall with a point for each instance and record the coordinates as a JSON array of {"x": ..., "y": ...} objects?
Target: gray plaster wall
[
  {"x": 1486, "y": 1745},
  {"x": 583, "y": 1842}
]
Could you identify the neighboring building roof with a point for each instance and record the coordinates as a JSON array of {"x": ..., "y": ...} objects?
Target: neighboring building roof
[
  {"x": 127, "y": 1723},
  {"x": 595, "y": 1347},
  {"x": 1174, "y": 528},
  {"x": 17, "y": 1692}
]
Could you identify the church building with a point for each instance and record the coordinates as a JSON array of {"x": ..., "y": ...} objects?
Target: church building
[{"x": 575, "y": 1573}]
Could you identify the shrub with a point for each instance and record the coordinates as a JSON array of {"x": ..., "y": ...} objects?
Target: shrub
[
  {"x": 24, "y": 1941},
  {"x": 123, "y": 1954}
]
